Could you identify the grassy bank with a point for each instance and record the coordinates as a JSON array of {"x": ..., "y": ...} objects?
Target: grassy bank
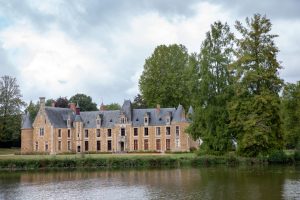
[{"x": 10, "y": 161}]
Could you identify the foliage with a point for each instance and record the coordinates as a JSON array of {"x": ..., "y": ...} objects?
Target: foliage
[
  {"x": 10, "y": 110},
  {"x": 49, "y": 102},
  {"x": 164, "y": 79},
  {"x": 139, "y": 102},
  {"x": 290, "y": 107},
  {"x": 255, "y": 109},
  {"x": 62, "y": 102},
  {"x": 33, "y": 109},
  {"x": 210, "y": 120},
  {"x": 112, "y": 106},
  {"x": 85, "y": 102}
]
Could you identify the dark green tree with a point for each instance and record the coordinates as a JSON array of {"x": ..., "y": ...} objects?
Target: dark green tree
[
  {"x": 164, "y": 79},
  {"x": 291, "y": 114},
  {"x": 210, "y": 120},
  {"x": 255, "y": 109},
  {"x": 85, "y": 102},
  {"x": 139, "y": 102},
  {"x": 49, "y": 102},
  {"x": 10, "y": 110},
  {"x": 33, "y": 109},
  {"x": 112, "y": 106},
  {"x": 62, "y": 102}
]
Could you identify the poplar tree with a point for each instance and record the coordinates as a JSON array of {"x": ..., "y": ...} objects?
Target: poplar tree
[
  {"x": 255, "y": 110},
  {"x": 210, "y": 120}
]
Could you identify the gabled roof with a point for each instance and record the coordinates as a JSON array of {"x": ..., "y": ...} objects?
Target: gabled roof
[
  {"x": 26, "y": 122},
  {"x": 58, "y": 116}
]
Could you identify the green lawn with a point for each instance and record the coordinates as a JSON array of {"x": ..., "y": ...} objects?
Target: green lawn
[
  {"x": 6, "y": 151},
  {"x": 9, "y": 154}
]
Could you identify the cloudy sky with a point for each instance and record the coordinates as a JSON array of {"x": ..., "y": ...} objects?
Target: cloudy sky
[{"x": 98, "y": 47}]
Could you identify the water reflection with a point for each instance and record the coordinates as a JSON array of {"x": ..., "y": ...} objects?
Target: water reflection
[{"x": 188, "y": 183}]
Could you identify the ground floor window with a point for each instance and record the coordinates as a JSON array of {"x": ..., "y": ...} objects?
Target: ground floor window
[
  {"x": 69, "y": 145},
  {"x": 59, "y": 145},
  {"x": 135, "y": 145},
  {"x": 168, "y": 144},
  {"x": 78, "y": 149},
  {"x": 46, "y": 146},
  {"x": 146, "y": 145},
  {"x": 158, "y": 146},
  {"x": 86, "y": 145},
  {"x": 109, "y": 145},
  {"x": 36, "y": 146},
  {"x": 177, "y": 143},
  {"x": 98, "y": 145}
]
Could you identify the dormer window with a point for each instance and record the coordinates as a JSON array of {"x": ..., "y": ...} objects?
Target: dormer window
[
  {"x": 146, "y": 120},
  {"x": 98, "y": 122},
  {"x": 68, "y": 123},
  {"x": 123, "y": 120}
]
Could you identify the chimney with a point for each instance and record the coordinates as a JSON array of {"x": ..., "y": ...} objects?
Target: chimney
[
  {"x": 102, "y": 107},
  {"x": 53, "y": 103},
  {"x": 72, "y": 106},
  {"x": 42, "y": 102},
  {"x": 157, "y": 108},
  {"x": 77, "y": 109}
]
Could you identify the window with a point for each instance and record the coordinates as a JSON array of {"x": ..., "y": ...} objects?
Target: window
[
  {"x": 59, "y": 145},
  {"x": 158, "y": 147},
  {"x": 146, "y": 131},
  {"x": 177, "y": 131},
  {"x": 123, "y": 120},
  {"x": 146, "y": 120},
  {"x": 168, "y": 130},
  {"x": 157, "y": 131},
  {"x": 59, "y": 132},
  {"x": 108, "y": 145},
  {"x": 69, "y": 145},
  {"x": 69, "y": 133},
  {"x": 168, "y": 144},
  {"x": 177, "y": 142},
  {"x": 135, "y": 132},
  {"x": 98, "y": 145},
  {"x": 46, "y": 146},
  {"x": 168, "y": 120},
  {"x": 86, "y": 133},
  {"x": 146, "y": 145},
  {"x": 41, "y": 131},
  {"x": 122, "y": 131},
  {"x": 36, "y": 146},
  {"x": 135, "y": 145},
  {"x": 86, "y": 145},
  {"x": 68, "y": 123},
  {"x": 98, "y": 132},
  {"x": 109, "y": 132},
  {"x": 98, "y": 122}
]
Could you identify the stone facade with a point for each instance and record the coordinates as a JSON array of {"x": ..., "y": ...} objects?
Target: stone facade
[{"x": 61, "y": 130}]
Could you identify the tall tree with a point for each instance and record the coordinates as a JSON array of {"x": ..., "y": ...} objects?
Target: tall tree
[
  {"x": 164, "y": 79},
  {"x": 139, "y": 102},
  {"x": 33, "y": 109},
  {"x": 85, "y": 102},
  {"x": 210, "y": 120},
  {"x": 10, "y": 110},
  {"x": 255, "y": 109},
  {"x": 112, "y": 106},
  {"x": 62, "y": 102},
  {"x": 49, "y": 102},
  {"x": 291, "y": 114}
]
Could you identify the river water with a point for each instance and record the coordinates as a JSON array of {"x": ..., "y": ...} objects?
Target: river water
[{"x": 255, "y": 183}]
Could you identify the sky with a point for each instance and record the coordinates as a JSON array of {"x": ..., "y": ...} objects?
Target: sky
[{"x": 98, "y": 47}]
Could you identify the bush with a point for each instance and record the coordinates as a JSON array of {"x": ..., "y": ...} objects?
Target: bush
[{"x": 278, "y": 156}]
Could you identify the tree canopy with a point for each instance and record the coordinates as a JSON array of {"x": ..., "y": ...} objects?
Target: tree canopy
[{"x": 85, "y": 102}]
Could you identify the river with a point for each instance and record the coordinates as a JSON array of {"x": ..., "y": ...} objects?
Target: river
[{"x": 272, "y": 182}]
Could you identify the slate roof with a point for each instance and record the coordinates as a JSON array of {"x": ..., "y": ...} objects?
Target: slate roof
[
  {"x": 26, "y": 122},
  {"x": 58, "y": 116}
]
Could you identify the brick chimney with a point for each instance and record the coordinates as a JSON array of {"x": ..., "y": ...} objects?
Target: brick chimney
[
  {"x": 77, "y": 109},
  {"x": 72, "y": 106},
  {"x": 157, "y": 108},
  {"x": 102, "y": 107},
  {"x": 42, "y": 102}
]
